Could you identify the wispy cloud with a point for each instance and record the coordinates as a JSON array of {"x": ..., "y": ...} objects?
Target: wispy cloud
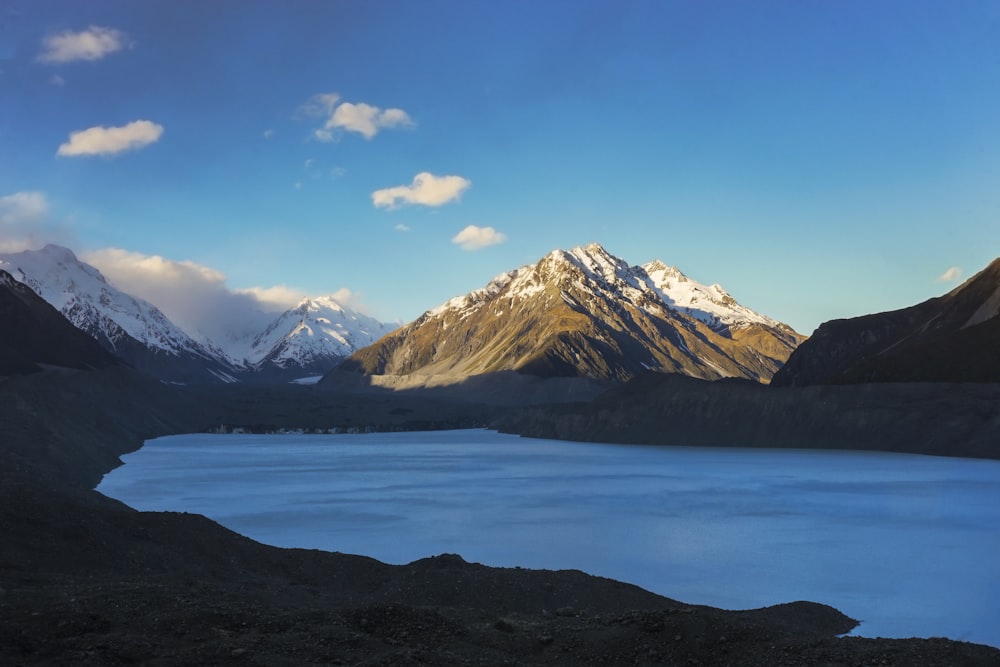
[
  {"x": 320, "y": 104},
  {"x": 362, "y": 118},
  {"x": 91, "y": 44},
  {"x": 402, "y": 228},
  {"x": 192, "y": 295},
  {"x": 951, "y": 274},
  {"x": 111, "y": 140},
  {"x": 426, "y": 189},
  {"x": 197, "y": 298},
  {"x": 475, "y": 238},
  {"x": 26, "y": 222}
]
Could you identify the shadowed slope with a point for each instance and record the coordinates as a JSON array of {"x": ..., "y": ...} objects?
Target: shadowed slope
[{"x": 951, "y": 338}]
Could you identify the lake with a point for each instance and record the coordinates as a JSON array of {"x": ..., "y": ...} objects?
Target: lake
[{"x": 908, "y": 544}]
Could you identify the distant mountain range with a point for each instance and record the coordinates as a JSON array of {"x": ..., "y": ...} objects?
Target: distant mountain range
[
  {"x": 582, "y": 313},
  {"x": 309, "y": 339},
  {"x": 951, "y": 338}
]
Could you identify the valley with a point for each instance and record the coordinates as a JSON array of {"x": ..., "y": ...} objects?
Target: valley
[{"x": 88, "y": 579}]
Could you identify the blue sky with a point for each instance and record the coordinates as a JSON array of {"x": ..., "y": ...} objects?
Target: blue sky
[{"x": 817, "y": 159}]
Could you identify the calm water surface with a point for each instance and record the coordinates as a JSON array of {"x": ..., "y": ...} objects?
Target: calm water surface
[{"x": 908, "y": 544}]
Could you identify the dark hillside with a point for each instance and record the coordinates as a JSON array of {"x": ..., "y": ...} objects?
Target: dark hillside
[
  {"x": 951, "y": 338},
  {"x": 922, "y": 418},
  {"x": 34, "y": 334}
]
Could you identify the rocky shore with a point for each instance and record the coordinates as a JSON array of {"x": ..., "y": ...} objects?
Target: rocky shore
[{"x": 85, "y": 580}]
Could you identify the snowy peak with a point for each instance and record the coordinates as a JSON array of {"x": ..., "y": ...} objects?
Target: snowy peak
[
  {"x": 711, "y": 304},
  {"x": 309, "y": 338},
  {"x": 591, "y": 268},
  {"x": 82, "y": 294},
  {"x": 585, "y": 312},
  {"x": 318, "y": 331}
]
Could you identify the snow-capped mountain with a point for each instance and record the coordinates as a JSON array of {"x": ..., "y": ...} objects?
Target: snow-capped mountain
[
  {"x": 134, "y": 330},
  {"x": 712, "y": 305},
  {"x": 312, "y": 337},
  {"x": 309, "y": 339},
  {"x": 585, "y": 312}
]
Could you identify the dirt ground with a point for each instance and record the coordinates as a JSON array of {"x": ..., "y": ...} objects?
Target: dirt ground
[{"x": 85, "y": 580}]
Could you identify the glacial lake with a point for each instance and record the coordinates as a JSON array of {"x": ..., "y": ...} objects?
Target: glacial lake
[{"x": 909, "y": 545}]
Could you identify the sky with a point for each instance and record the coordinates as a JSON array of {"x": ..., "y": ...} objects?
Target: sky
[{"x": 818, "y": 159}]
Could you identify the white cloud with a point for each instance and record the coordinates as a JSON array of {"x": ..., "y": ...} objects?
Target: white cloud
[
  {"x": 426, "y": 189},
  {"x": 111, "y": 140},
  {"x": 26, "y": 222},
  {"x": 57, "y": 80},
  {"x": 366, "y": 119},
  {"x": 362, "y": 118},
  {"x": 91, "y": 44},
  {"x": 402, "y": 228},
  {"x": 952, "y": 274},
  {"x": 196, "y": 297},
  {"x": 193, "y": 296},
  {"x": 268, "y": 134},
  {"x": 23, "y": 207},
  {"x": 273, "y": 299},
  {"x": 474, "y": 238}
]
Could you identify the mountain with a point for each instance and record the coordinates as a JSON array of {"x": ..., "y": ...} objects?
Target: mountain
[
  {"x": 132, "y": 329},
  {"x": 583, "y": 313},
  {"x": 951, "y": 338},
  {"x": 311, "y": 338},
  {"x": 33, "y": 334}
]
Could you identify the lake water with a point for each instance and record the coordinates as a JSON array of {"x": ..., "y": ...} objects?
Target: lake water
[{"x": 908, "y": 544}]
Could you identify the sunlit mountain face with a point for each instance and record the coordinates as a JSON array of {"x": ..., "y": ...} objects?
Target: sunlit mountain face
[{"x": 586, "y": 313}]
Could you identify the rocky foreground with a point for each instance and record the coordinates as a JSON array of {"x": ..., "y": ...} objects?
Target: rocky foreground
[{"x": 86, "y": 580}]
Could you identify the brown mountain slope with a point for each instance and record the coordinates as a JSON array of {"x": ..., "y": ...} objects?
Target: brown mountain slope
[
  {"x": 584, "y": 313},
  {"x": 951, "y": 338}
]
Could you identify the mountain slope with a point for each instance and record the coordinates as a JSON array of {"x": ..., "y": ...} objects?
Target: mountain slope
[
  {"x": 132, "y": 329},
  {"x": 312, "y": 338},
  {"x": 584, "y": 313},
  {"x": 951, "y": 338},
  {"x": 33, "y": 334}
]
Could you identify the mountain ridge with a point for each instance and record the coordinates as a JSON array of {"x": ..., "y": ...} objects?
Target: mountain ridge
[
  {"x": 586, "y": 313},
  {"x": 949, "y": 338},
  {"x": 308, "y": 339}
]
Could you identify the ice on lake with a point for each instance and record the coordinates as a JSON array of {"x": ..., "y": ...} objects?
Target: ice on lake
[{"x": 908, "y": 544}]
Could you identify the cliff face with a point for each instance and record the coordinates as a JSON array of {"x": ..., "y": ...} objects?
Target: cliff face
[{"x": 951, "y": 338}]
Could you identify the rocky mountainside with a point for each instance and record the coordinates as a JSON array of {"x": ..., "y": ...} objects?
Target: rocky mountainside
[
  {"x": 951, "y": 338},
  {"x": 132, "y": 329},
  {"x": 33, "y": 334},
  {"x": 583, "y": 313},
  {"x": 309, "y": 339}
]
